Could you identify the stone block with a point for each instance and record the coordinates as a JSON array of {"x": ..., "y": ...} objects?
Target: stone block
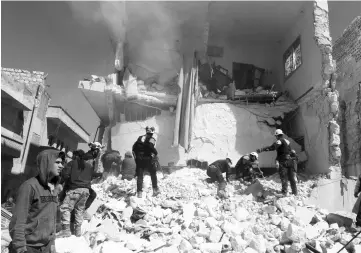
[
  {"x": 259, "y": 244},
  {"x": 342, "y": 221},
  {"x": 185, "y": 246},
  {"x": 241, "y": 214},
  {"x": 296, "y": 233},
  {"x": 238, "y": 244},
  {"x": 211, "y": 247}
]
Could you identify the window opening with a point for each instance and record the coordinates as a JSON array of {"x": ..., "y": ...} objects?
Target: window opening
[{"x": 292, "y": 58}]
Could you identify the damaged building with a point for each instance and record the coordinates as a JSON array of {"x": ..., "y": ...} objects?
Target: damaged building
[
  {"x": 218, "y": 87},
  {"x": 228, "y": 97}
]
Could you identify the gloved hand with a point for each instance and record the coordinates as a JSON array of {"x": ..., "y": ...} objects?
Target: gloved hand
[
  {"x": 356, "y": 195},
  {"x": 258, "y": 151}
]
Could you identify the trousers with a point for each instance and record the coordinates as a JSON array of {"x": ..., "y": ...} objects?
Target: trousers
[
  {"x": 287, "y": 173},
  {"x": 74, "y": 200},
  {"x": 142, "y": 164}
]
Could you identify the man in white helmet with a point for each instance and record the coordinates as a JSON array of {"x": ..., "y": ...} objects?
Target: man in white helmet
[
  {"x": 144, "y": 151},
  {"x": 284, "y": 161},
  {"x": 248, "y": 167}
]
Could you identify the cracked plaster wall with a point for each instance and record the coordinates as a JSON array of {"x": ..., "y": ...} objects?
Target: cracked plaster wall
[{"x": 220, "y": 130}]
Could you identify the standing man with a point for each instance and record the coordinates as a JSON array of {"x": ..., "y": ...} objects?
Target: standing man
[
  {"x": 144, "y": 151},
  {"x": 215, "y": 171},
  {"x": 33, "y": 224},
  {"x": 284, "y": 162},
  {"x": 246, "y": 166}
]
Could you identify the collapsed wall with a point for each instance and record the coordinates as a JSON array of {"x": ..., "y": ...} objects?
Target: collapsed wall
[
  {"x": 220, "y": 130},
  {"x": 347, "y": 53}
]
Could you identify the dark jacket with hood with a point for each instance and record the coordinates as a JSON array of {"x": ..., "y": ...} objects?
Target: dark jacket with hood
[
  {"x": 244, "y": 164},
  {"x": 34, "y": 216}
]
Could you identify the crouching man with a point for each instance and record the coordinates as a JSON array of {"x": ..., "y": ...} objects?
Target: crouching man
[
  {"x": 247, "y": 167},
  {"x": 215, "y": 171},
  {"x": 284, "y": 162}
]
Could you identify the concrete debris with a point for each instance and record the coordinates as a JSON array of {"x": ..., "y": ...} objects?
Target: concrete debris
[{"x": 182, "y": 220}]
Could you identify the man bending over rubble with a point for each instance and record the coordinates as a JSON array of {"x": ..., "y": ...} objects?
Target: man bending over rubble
[
  {"x": 144, "y": 152},
  {"x": 247, "y": 166},
  {"x": 284, "y": 161},
  {"x": 215, "y": 171}
]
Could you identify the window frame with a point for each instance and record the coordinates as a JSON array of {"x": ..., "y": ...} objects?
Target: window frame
[{"x": 292, "y": 47}]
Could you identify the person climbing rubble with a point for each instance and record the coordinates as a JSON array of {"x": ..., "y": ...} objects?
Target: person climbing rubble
[
  {"x": 284, "y": 163},
  {"x": 77, "y": 177},
  {"x": 36, "y": 207},
  {"x": 356, "y": 193},
  {"x": 215, "y": 171},
  {"x": 144, "y": 151},
  {"x": 128, "y": 169},
  {"x": 247, "y": 167}
]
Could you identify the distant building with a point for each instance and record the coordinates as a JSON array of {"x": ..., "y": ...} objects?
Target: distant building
[{"x": 28, "y": 124}]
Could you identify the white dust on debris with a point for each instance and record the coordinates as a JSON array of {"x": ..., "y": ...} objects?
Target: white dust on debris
[{"x": 188, "y": 217}]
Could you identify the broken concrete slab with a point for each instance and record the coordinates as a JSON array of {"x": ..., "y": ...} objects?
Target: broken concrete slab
[{"x": 342, "y": 221}]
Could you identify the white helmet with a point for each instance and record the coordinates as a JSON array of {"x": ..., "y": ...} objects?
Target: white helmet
[
  {"x": 278, "y": 132},
  {"x": 150, "y": 130},
  {"x": 254, "y": 154}
]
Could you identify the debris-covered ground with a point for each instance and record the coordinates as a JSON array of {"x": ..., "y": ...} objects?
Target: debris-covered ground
[{"x": 189, "y": 217}]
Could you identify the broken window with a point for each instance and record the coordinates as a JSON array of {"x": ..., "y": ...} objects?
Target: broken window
[{"x": 292, "y": 58}]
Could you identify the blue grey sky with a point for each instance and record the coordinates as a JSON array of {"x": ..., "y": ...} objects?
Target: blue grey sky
[{"x": 44, "y": 36}]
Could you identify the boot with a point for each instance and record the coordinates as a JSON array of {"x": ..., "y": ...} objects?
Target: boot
[
  {"x": 140, "y": 194},
  {"x": 156, "y": 192},
  {"x": 65, "y": 232},
  {"x": 77, "y": 231}
]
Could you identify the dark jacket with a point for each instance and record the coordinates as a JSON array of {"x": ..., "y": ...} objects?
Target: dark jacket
[
  {"x": 77, "y": 177},
  {"x": 34, "y": 217},
  {"x": 245, "y": 163},
  {"x": 282, "y": 147},
  {"x": 128, "y": 166},
  {"x": 144, "y": 147},
  {"x": 223, "y": 166}
]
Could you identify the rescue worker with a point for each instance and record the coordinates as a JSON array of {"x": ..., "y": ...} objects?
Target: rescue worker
[
  {"x": 215, "y": 171},
  {"x": 248, "y": 167},
  {"x": 33, "y": 223},
  {"x": 77, "y": 175},
  {"x": 284, "y": 163},
  {"x": 128, "y": 166},
  {"x": 356, "y": 194},
  {"x": 144, "y": 151}
]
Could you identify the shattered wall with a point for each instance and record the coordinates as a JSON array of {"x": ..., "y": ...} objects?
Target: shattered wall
[
  {"x": 307, "y": 122},
  {"x": 262, "y": 54},
  {"x": 347, "y": 53},
  {"x": 220, "y": 130}
]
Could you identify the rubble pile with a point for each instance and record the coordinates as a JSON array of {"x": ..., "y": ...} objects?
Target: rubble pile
[{"x": 189, "y": 217}]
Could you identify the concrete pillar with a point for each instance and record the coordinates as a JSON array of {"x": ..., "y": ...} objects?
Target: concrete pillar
[{"x": 324, "y": 42}]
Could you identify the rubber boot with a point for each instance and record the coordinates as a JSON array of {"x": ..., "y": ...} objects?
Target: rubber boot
[
  {"x": 156, "y": 192},
  {"x": 140, "y": 194},
  {"x": 65, "y": 232}
]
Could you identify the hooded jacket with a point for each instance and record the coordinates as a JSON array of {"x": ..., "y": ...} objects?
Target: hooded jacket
[{"x": 34, "y": 217}]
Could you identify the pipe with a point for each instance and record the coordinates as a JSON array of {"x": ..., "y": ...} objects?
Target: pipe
[
  {"x": 304, "y": 94},
  {"x": 192, "y": 104},
  {"x": 188, "y": 110}
]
